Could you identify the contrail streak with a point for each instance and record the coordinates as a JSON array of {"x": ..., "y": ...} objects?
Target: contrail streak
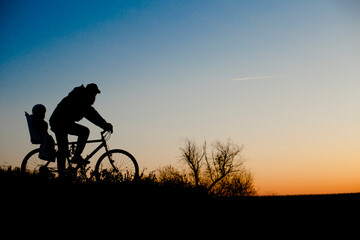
[{"x": 253, "y": 78}]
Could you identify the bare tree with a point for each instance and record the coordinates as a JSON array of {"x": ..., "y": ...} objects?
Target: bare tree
[
  {"x": 225, "y": 159},
  {"x": 221, "y": 171},
  {"x": 193, "y": 157}
]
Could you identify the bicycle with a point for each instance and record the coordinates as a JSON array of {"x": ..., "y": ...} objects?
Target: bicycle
[{"x": 113, "y": 165}]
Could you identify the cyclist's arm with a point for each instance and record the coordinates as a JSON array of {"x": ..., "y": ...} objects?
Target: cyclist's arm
[{"x": 93, "y": 116}]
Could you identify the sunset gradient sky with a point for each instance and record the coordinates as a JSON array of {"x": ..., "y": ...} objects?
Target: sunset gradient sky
[{"x": 281, "y": 77}]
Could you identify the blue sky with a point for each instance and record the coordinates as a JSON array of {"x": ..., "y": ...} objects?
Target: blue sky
[{"x": 280, "y": 77}]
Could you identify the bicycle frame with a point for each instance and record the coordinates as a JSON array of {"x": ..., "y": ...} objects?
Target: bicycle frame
[{"x": 103, "y": 144}]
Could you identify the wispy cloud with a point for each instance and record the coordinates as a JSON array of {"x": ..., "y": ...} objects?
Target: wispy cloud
[{"x": 254, "y": 78}]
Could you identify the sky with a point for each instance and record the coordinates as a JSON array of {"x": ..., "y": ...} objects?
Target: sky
[{"x": 280, "y": 77}]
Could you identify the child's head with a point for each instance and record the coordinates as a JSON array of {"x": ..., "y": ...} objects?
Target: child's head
[{"x": 39, "y": 111}]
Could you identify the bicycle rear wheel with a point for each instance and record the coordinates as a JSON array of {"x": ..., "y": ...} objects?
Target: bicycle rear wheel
[
  {"x": 33, "y": 164},
  {"x": 116, "y": 166}
]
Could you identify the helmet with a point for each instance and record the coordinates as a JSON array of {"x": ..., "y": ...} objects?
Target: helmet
[{"x": 39, "y": 109}]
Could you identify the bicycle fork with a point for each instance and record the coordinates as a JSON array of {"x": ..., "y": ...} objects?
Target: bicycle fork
[{"x": 109, "y": 155}]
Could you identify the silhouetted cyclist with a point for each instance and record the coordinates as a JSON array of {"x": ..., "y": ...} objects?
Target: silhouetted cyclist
[{"x": 74, "y": 107}]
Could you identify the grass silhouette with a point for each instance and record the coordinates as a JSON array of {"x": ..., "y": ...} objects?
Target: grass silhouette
[{"x": 150, "y": 186}]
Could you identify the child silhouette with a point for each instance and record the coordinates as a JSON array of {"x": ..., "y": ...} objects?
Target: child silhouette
[{"x": 40, "y": 126}]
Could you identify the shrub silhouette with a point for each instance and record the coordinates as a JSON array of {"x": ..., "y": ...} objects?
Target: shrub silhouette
[
  {"x": 220, "y": 171},
  {"x": 169, "y": 175},
  {"x": 237, "y": 184}
]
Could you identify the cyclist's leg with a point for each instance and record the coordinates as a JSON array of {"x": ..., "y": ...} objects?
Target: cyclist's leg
[
  {"x": 63, "y": 151},
  {"x": 83, "y": 134}
]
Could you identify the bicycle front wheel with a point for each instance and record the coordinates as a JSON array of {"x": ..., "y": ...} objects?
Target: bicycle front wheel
[{"x": 116, "y": 166}]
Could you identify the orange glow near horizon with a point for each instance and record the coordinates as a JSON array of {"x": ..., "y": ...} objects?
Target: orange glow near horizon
[{"x": 328, "y": 175}]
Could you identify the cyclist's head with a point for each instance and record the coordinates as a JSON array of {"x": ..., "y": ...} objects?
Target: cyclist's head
[
  {"x": 39, "y": 111},
  {"x": 93, "y": 88}
]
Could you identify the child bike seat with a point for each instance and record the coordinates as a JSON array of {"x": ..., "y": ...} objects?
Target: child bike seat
[{"x": 35, "y": 137}]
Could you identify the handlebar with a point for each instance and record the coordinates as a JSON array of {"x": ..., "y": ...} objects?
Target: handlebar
[
  {"x": 106, "y": 134},
  {"x": 105, "y": 131}
]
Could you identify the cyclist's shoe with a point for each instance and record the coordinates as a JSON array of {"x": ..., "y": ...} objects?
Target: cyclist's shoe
[{"x": 79, "y": 160}]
